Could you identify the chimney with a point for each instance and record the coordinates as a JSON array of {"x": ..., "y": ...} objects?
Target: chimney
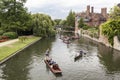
[
  {"x": 88, "y": 10},
  {"x": 92, "y": 9},
  {"x": 104, "y": 11}
]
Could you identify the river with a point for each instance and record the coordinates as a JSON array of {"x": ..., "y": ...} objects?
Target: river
[{"x": 99, "y": 62}]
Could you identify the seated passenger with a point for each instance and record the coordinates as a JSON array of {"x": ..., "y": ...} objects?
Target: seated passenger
[
  {"x": 48, "y": 59},
  {"x": 81, "y": 52},
  {"x": 46, "y": 54},
  {"x": 55, "y": 66},
  {"x": 52, "y": 62}
]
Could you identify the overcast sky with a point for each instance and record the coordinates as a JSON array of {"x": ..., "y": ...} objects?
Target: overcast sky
[{"x": 61, "y": 8}]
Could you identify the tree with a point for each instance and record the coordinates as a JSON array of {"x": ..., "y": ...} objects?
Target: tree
[
  {"x": 111, "y": 28},
  {"x": 115, "y": 13},
  {"x": 81, "y": 23},
  {"x": 71, "y": 19},
  {"x": 14, "y": 15},
  {"x": 57, "y": 21},
  {"x": 43, "y": 25},
  {"x": 63, "y": 22}
]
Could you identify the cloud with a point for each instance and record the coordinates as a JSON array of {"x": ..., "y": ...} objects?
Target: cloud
[
  {"x": 39, "y": 3},
  {"x": 69, "y": 3},
  {"x": 61, "y": 8}
]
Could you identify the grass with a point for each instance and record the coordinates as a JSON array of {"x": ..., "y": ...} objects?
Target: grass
[{"x": 10, "y": 49}]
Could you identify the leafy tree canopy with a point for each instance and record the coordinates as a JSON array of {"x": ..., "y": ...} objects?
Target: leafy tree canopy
[
  {"x": 111, "y": 28},
  {"x": 57, "y": 21},
  {"x": 115, "y": 13},
  {"x": 81, "y": 23},
  {"x": 43, "y": 25},
  {"x": 14, "y": 15},
  {"x": 71, "y": 19},
  {"x": 63, "y": 22}
]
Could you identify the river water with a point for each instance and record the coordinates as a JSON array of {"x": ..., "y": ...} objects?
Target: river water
[{"x": 99, "y": 62}]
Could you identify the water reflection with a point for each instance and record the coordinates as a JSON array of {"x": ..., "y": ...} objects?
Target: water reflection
[
  {"x": 47, "y": 69},
  {"x": 58, "y": 75},
  {"x": 99, "y": 62},
  {"x": 110, "y": 58},
  {"x": 18, "y": 67}
]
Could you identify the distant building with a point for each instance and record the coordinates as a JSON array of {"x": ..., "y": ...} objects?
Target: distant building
[
  {"x": 118, "y": 5},
  {"x": 91, "y": 18}
]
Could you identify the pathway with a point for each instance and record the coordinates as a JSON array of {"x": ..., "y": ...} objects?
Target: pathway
[{"x": 8, "y": 42}]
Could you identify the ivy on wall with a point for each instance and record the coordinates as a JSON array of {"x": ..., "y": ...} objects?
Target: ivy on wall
[{"x": 111, "y": 28}]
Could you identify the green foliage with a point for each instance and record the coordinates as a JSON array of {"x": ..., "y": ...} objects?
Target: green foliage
[
  {"x": 71, "y": 19},
  {"x": 11, "y": 35},
  {"x": 57, "y": 21},
  {"x": 14, "y": 16},
  {"x": 1, "y": 32},
  {"x": 81, "y": 23},
  {"x": 43, "y": 25},
  {"x": 111, "y": 28},
  {"x": 86, "y": 27},
  {"x": 52, "y": 33},
  {"x": 115, "y": 13},
  {"x": 63, "y": 22},
  {"x": 0, "y": 37},
  {"x": 93, "y": 32}
]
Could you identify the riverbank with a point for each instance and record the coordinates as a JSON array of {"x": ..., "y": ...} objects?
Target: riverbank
[
  {"x": 11, "y": 48},
  {"x": 98, "y": 40}
]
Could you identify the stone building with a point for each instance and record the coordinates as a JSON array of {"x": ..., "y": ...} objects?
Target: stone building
[
  {"x": 91, "y": 18},
  {"x": 118, "y": 5}
]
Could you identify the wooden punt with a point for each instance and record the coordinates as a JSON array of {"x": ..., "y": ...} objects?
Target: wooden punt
[
  {"x": 55, "y": 71},
  {"x": 75, "y": 37},
  {"x": 66, "y": 41}
]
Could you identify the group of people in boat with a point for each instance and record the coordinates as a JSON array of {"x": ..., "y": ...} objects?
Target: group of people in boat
[
  {"x": 67, "y": 39},
  {"x": 52, "y": 63}
]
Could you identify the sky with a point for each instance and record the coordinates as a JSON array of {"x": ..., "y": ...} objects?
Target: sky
[{"x": 59, "y": 9}]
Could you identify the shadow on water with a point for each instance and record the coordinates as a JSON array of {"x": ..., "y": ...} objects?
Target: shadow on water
[
  {"x": 58, "y": 75},
  {"x": 18, "y": 67},
  {"x": 110, "y": 58},
  {"x": 47, "y": 69}
]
